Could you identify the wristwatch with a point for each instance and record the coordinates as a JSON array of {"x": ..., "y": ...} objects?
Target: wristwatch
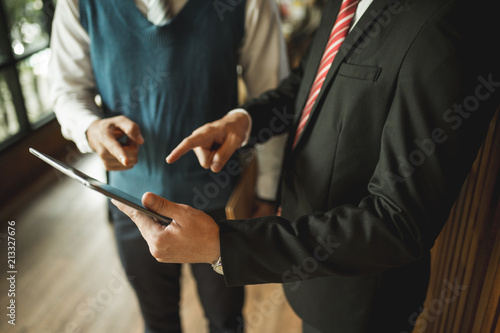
[{"x": 217, "y": 266}]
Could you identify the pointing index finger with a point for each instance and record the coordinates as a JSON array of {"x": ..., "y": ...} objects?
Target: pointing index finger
[{"x": 185, "y": 146}]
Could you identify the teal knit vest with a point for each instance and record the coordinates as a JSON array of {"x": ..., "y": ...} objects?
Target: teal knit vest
[{"x": 170, "y": 80}]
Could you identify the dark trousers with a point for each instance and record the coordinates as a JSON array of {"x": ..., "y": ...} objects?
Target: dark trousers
[{"x": 157, "y": 285}]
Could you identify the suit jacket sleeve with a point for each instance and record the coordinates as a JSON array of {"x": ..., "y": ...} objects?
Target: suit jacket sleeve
[{"x": 441, "y": 105}]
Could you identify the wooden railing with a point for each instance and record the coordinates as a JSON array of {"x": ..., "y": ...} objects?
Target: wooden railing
[{"x": 464, "y": 291}]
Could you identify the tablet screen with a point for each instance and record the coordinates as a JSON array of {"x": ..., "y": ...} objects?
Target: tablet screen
[{"x": 94, "y": 184}]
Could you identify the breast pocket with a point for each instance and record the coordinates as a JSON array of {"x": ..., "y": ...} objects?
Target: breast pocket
[{"x": 367, "y": 73}]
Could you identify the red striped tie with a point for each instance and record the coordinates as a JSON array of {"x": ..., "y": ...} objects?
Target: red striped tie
[{"x": 337, "y": 36}]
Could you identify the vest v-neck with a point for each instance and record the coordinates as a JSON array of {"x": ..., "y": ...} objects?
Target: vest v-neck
[{"x": 164, "y": 34}]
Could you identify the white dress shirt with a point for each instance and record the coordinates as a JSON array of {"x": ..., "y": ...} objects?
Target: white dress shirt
[{"x": 362, "y": 7}]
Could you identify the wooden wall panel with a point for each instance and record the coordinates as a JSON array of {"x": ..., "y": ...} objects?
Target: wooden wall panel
[
  {"x": 23, "y": 175},
  {"x": 464, "y": 291}
]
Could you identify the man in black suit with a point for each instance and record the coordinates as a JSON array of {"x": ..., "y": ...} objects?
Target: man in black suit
[{"x": 369, "y": 181}]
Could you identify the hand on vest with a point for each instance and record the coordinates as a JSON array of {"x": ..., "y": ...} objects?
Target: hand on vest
[
  {"x": 215, "y": 142},
  {"x": 192, "y": 237},
  {"x": 104, "y": 135}
]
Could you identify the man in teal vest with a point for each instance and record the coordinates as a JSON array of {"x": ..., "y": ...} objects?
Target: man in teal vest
[{"x": 162, "y": 69}]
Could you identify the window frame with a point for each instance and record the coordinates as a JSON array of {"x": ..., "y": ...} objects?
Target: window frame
[{"x": 9, "y": 68}]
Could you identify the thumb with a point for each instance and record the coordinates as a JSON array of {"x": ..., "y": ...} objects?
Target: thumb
[{"x": 161, "y": 206}]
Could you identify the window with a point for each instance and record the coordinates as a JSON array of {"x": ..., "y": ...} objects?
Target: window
[{"x": 24, "y": 56}]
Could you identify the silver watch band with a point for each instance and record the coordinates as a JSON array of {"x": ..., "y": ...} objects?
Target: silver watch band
[{"x": 217, "y": 266}]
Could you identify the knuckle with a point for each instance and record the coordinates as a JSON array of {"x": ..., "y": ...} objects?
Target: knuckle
[
  {"x": 161, "y": 206},
  {"x": 133, "y": 126},
  {"x": 203, "y": 128},
  {"x": 188, "y": 141},
  {"x": 134, "y": 215},
  {"x": 185, "y": 209},
  {"x": 154, "y": 252},
  {"x": 130, "y": 126}
]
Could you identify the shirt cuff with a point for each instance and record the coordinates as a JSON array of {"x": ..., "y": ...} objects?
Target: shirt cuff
[
  {"x": 80, "y": 137},
  {"x": 74, "y": 127},
  {"x": 247, "y": 134}
]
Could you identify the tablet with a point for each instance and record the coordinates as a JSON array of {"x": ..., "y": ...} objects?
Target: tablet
[{"x": 100, "y": 187}]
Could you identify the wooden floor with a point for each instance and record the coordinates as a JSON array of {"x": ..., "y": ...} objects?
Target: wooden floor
[{"x": 69, "y": 278}]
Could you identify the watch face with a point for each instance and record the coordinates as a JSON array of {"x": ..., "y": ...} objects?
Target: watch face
[
  {"x": 217, "y": 266},
  {"x": 219, "y": 269}
]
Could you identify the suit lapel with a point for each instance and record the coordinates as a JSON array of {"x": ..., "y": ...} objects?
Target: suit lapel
[{"x": 358, "y": 33}]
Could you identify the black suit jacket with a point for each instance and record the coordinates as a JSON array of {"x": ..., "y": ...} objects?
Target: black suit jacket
[{"x": 367, "y": 189}]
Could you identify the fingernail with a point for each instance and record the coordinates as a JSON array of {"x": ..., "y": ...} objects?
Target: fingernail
[
  {"x": 215, "y": 167},
  {"x": 123, "y": 160},
  {"x": 149, "y": 200}
]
